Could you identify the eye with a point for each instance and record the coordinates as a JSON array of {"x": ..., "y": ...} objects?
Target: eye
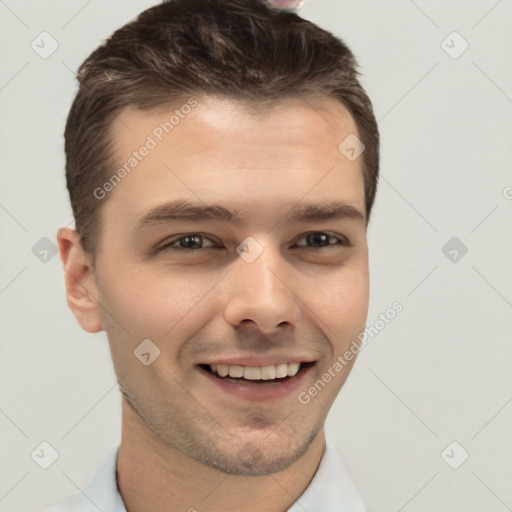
[
  {"x": 320, "y": 240},
  {"x": 196, "y": 241},
  {"x": 193, "y": 241}
]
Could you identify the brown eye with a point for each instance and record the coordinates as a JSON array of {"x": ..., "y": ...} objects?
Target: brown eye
[
  {"x": 188, "y": 242},
  {"x": 320, "y": 240}
]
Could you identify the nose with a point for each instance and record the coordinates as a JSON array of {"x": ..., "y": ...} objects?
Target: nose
[{"x": 262, "y": 293}]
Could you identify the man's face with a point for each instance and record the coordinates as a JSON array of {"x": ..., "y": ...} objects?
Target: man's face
[{"x": 296, "y": 292}]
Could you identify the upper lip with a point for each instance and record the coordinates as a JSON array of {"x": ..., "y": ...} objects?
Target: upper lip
[{"x": 259, "y": 360}]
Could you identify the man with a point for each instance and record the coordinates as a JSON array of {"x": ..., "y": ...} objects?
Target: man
[{"x": 222, "y": 163}]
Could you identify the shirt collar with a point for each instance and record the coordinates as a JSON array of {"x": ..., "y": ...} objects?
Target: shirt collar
[{"x": 330, "y": 490}]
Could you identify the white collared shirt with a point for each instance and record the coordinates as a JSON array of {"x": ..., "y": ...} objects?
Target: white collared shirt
[{"x": 330, "y": 490}]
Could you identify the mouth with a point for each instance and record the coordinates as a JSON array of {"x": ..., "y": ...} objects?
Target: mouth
[
  {"x": 256, "y": 374},
  {"x": 257, "y": 383}
]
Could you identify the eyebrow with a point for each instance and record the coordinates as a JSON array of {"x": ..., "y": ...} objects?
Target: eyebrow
[{"x": 186, "y": 211}]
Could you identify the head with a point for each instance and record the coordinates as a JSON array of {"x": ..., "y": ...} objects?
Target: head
[{"x": 219, "y": 215}]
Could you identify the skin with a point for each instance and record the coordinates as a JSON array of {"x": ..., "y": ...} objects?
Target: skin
[{"x": 184, "y": 443}]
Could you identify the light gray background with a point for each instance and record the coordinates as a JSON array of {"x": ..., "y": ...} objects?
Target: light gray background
[{"x": 439, "y": 372}]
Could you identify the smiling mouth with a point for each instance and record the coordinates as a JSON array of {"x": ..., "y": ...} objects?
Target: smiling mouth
[{"x": 257, "y": 374}]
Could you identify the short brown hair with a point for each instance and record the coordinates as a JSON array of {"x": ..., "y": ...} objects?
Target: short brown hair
[{"x": 239, "y": 49}]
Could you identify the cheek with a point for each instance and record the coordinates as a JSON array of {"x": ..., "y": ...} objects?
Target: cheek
[
  {"x": 344, "y": 302},
  {"x": 153, "y": 305},
  {"x": 158, "y": 305}
]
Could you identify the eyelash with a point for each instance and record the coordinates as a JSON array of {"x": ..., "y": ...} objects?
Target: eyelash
[{"x": 168, "y": 245}]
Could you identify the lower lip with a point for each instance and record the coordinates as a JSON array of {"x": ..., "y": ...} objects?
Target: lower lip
[{"x": 259, "y": 391}]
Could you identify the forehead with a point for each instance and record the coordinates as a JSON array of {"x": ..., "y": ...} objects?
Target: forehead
[{"x": 225, "y": 150}]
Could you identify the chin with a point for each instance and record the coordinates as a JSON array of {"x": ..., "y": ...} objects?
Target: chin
[{"x": 258, "y": 456}]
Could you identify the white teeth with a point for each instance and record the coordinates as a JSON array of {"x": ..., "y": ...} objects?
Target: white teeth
[
  {"x": 281, "y": 370},
  {"x": 222, "y": 369},
  {"x": 252, "y": 373},
  {"x": 269, "y": 372},
  {"x": 293, "y": 369},
  {"x": 236, "y": 371}
]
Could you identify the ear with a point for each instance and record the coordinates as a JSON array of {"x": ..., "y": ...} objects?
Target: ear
[{"x": 81, "y": 290}]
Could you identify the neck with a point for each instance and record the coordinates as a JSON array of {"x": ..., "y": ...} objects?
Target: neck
[{"x": 155, "y": 476}]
